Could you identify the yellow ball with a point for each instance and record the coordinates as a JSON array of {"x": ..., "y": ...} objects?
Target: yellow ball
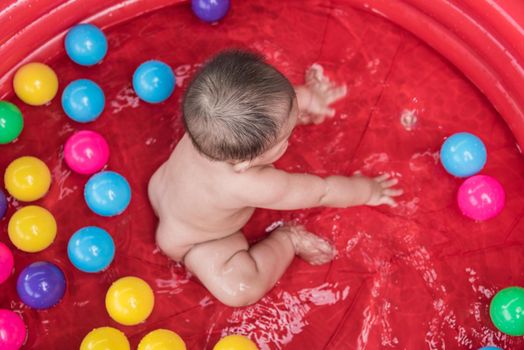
[
  {"x": 105, "y": 338},
  {"x": 162, "y": 339},
  {"x": 129, "y": 301},
  {"x": 27, "y": 179},
  {"x": 235, "y": 342},
  {"x": 32, "y": 229},
  {"x": 35, "y": 84}
]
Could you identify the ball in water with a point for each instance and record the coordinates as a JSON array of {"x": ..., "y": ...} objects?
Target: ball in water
[
  {"x": 129, "y": 301},
  {"x": 235, "y": 342},
  {"x": 481, "y": 197},
  {"x": 86, "y": 44},
  {"x": 83, "y": 100},
  {"x": 12, "y": 330},
  {"x": 41, "y": 285},
  {"x": 463, "y": 154},
  {"x": 11, "y": 122},
  {"x": 105, "y": 338},
  {"x": 154, "y": 81},
  {"x": 162, "y": 339},
  {"x": 35, "y": 84},
  {"x": 3, "y": 204},
  {"x": 507, "y": 311},
  {"x": 86, "y": 152},
  {"x": 27, "y": 179},
  {"x": 91, "y": 249},
  {"x": 107, "y": 193},
  {"x": 32, "y": 229},
  {"x": 6, "y": 263},
  {"x": 210, "y": 10},
  {"x": 490, "y": 348}
]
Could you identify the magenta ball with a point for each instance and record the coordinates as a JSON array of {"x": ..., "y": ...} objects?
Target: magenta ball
[
  {"x": 481, "y": 197},
  {"x": 12, "y": 330},
  {"x": 86, "y": 152},
  {"x": 6, "y": 262}
]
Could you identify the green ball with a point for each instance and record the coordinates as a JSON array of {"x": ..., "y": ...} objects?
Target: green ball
[
  {"x": 11, "y": 122},
  {"x": 507, "y": 311}
]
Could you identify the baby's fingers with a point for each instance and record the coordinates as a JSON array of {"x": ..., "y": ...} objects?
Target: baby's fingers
[
  {"x": 382, "y": 178},
  {"x": 390, "y": 182},
  {"x": 388, "y": 201},
  {"x": 393, "y": 192},
  {"x": 336, "y": 93}
]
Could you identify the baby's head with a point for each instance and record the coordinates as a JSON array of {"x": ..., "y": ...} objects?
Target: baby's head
[{"x": 240, "y": 109}]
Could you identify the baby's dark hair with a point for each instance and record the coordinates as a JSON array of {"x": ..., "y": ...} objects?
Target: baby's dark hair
[{"x": 234, "y": 107}]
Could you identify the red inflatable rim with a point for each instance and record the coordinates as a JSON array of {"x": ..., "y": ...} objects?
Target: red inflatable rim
[{"x": 483, "y": 39}]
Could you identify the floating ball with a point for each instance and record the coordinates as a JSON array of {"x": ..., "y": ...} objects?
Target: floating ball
[
  {"x": 85, "y": 44},
  {"x": 507, "y": 311},
  {"x": 6, "y": 263},
  {"x": 91, "y": 249},
  {"x": 35, "y": 84},
  {"x": 11, "y": 122},
  {"x": 41, "y": 285},
  {"x": 481, "y": 197},
  {"x": 3, "y": 204},
  {"x": 463, "y": 154},
  {"x": 490, "y": 348},
  {"x": 210, "y": 10},
  {"x": 12, "y": 330},
  {"x": 86, "y": 152},
  {"x": 235, "y": 342},
  {"x": 105, "y": 338},
  {"x": 129, "y": 301},
  {"x": 107, "y": 193},
  {"x": 27, "y": 179},
  {"x": 32, "y": 229},
  {"x": 162, "y": 339},
  {"x": 83, "y": 100},
  {"x": 154, "y": 81}
]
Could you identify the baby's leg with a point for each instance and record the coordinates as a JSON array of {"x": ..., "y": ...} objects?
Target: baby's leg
[{"x": 239, "y": 275}]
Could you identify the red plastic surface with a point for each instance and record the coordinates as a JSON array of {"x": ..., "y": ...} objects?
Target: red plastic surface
[{"x": 419, "y": 276}]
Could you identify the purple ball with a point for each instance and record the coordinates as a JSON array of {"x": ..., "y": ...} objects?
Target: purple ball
[
  {"x": 210, "y": 10},
  {"x": 3, "y": 204},
  {"x": 41, "y": 285}
]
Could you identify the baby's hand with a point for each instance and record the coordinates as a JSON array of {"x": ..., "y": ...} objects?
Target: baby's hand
[
  {"x": 317, "y": 95},
  {"x": 382, "y": 191}
]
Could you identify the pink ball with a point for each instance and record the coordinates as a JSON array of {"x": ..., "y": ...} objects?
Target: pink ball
[
  {"x": 481, "y": 197},
  {"x": 86, "y": 152},
  {"x": 6, "y": 262},
  {"x": 12, "y": 330}
]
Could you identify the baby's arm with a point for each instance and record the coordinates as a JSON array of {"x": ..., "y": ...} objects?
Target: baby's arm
[{"x": 276, "y": 189}]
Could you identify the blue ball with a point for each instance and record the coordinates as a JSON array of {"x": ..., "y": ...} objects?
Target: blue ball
[
  {"x": 91, "y": 249},
  {"x": 86, "y": 44},
  {"x": 107, "y": 193},
  {"x": 154, "y": 81},
  {"x": 3, "y": 204},
  {"x": 83, "y": 100},
  {"x": 463, "y": 154},
  {"x": 41, "y": 285},
  {"x": 210, "y": 10},
  {"x": 490, "y": 348}
]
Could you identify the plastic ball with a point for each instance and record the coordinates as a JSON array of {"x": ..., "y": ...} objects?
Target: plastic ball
[
  {"x": 35, "y": 84},
  {"x": 235, "y": 342},
  {"x": 12, "y": 330},
  {"x": 481, "y": 197},
  {"x": 210, "y": 10},
  {"x": 3, "y": 204},
  {"x": 105, "y": 338},
  {"x": 490, "y": 348},
  {"x": 11, "y": 122},
  {"x": 507, "y": 311},
  {"x": 91, "y": 249},
  {"x": 86, "y": 152},
  {"x": 129, "y": 301},
  {"x": 162, "y": 339},
  {"x": 41, "y": 285},
  {"x": 6, "y": 263},
  {"x": 86, "y": 44},
  {"x": 83, "y": 100},
  {"x": 32, "y": 229},
  {"x": 154, "y": 81},
  {"x": 27, "y": 179},
  {"x": 463, "y": 154},
  {"x": 107, "y": 193}
]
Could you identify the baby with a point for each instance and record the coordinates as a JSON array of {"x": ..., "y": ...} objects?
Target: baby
[{"x": 239, "y": 113}]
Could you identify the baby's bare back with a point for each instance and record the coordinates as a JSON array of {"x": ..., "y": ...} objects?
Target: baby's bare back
[{"x": 192, "y": 197}]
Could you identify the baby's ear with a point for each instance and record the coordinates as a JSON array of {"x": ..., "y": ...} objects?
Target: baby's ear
[{"x": 242, "y": 166}]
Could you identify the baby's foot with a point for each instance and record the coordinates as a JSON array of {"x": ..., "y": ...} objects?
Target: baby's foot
[{"x": 310, "y": 247}]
